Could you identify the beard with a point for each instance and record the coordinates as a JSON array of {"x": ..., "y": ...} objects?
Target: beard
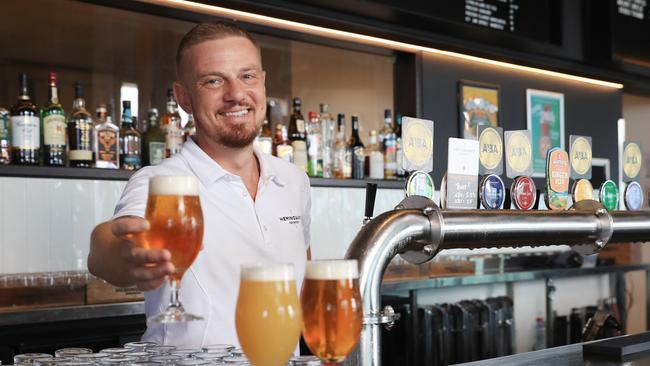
[{"x": 236, "y": 136}]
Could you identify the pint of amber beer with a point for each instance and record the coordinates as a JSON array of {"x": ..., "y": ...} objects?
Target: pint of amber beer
[
  {"x": 176, "y": 224},
  {"x": 332, "y": 309},
  {"x": 268, "y": 316}
]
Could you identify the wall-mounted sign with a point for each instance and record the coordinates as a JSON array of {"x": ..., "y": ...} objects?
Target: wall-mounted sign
[
  {"x": 545, "y": 120},
  {"x": 478, "y": 106}
]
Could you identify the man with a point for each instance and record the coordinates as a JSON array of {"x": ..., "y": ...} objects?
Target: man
[{"x": 246, "y": 196}]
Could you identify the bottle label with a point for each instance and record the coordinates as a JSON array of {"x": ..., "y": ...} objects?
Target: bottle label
[
  {"x": 25, "y": 132},
  {"x": 347, "y": 164},
  {"x": 54, "y": 130},
  {"x": 300, "y": 125},
  {"x": 4, "y": 128},
  {"x": 300, "y": 154},
  {"x": 358, "y": 160},
  {"x": 131, "y": 161},
  {"x": 285, "y": 152},
  {"x": 156, "y": 152},
  {"x": 376, "y": 165},
  {"x": 81, "y": 155},
  {"x": 173, "y": 139},
  {"x": 79, "y": 139},
  {"x": 107, "y": 146},
  {"x": 264, "y": 144}
]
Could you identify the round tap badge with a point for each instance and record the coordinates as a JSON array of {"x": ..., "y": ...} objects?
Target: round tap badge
[
  {"x": 493, "y": 193},
  {"x": 633, "y": 196},
  {"x": 608, "y": 195},
  {"x": 490, "y": 148},
  {"x": 443, "y": 192},
  {"x": 519, "y": 152},
  {"x": 582, "y": 190},
  {"x": 632, "y": 160},
  {"x": 523, "y": 192},
  {"x": 557, "y": 179},
  {"x": 420, "y": 183},
  {"x": 581, "y": 155}
]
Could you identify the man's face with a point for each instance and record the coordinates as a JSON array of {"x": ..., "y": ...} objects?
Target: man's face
[{"x": 222, "y": 85}]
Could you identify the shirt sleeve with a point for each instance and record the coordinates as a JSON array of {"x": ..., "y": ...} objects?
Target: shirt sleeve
[
  {"x": 306, "y": 213},
  {"x": 134, "y": 197}
]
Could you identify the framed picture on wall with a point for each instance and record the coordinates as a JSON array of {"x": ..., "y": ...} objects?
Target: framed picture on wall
[
  {"x": 545, "y": 120},
  {"x": 478, "y": 106}
]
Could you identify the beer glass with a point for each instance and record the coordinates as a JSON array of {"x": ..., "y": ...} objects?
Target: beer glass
[
  {"x": 332, "y": 309},
  {"x": 176, "y": 224},
  {"x": 268, "y": 316}
]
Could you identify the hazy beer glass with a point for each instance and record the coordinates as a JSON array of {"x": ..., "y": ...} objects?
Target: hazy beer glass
[
  {"x": 268, "y": 316},
  {"x": 176, "y": 224},
  {"x": 332, "y": 309}
]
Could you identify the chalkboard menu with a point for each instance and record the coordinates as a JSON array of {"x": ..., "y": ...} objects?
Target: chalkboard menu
[
  {"x": 538, "y": 20},
  {"x": 631, "y": 29}
]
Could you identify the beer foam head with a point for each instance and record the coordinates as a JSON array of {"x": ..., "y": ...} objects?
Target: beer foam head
[
  {"x": 269, "y": 272},
  {"x": 164, "y": 185},
  {"x": 343, "y": 269}
]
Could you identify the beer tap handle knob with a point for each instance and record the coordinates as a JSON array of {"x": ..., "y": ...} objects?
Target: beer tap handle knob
[{"x": 371, "y": 193}]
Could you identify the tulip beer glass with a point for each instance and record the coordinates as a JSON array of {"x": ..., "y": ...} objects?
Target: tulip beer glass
[
  {"x": 176, "y": 224},
  {"x": 332, "y": 309},
  {"x": 268, "y": 316}
]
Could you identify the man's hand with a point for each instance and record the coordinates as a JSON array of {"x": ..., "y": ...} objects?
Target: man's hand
[{"x": 117, "y": 257}]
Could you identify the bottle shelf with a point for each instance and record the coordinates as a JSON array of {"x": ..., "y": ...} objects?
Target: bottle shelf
[{"x": 27, "y": 171}]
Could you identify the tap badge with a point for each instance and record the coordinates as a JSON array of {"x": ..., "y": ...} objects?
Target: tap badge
[
  {"x": 420, "y": 183},
  {"x": 633, "y": 196},
  {"x": 490, "y": 142},
  {"x": 608, "y": 195},
  {"x": 580, "y": 156},
  {"x": 519, "y": 158},
  {"x": 631, "y": 161},
  {"x": 582, "y": 190},
  {"x": 493, "y": 193},
  {"x": 557, "y": 179},
  {"x": 523, "y": 192}
]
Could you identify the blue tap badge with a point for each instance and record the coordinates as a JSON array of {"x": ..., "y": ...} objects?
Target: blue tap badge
[{"x": 493, "y": 192}]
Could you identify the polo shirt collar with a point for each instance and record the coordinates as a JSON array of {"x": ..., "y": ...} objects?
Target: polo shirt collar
[{"x": 209, "y": 171}]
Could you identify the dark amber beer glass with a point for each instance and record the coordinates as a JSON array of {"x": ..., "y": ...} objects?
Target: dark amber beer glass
[
  {"x": 176, "y": 224},
  {"x": 332, "y": 309}
]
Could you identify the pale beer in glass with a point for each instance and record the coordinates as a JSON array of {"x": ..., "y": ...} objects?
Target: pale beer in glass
[
  {"x": 268, "y": 315},
  {"x": 332, "y": 309},
  {"x": 176, "y": 224}
]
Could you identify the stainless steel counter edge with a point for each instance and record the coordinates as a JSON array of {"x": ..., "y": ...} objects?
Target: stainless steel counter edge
[
  {"x": 440, "y": 282},
  {"x": 81, "y": 312}
]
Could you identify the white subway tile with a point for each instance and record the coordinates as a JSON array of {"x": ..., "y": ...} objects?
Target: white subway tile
[
  {"x": 38, "y": 202},
  {"x": 61, "y": 252},
  {"x": 15, "y": 256}
]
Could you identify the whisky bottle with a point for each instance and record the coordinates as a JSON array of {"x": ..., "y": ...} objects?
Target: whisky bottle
[
  {"x": 171, "y": 124},
  {"x": 190, "y": 128},
  {"x": 53, "y": 127},
  {"x": 106, "y": 141},
  {"x": 298, "y": 136},
  {"x": 264, "y": 139},
  {"x": 130, "y": 140},
  {"x": 153, "y": 141},
  {"x": 357, "y": 147},
  {"x": 314, "y": 147},
  {"x": 80, "y": 126},
  {"x": 341, "y": 151},
  {"x": 388, "y": 143},
  {"x": 399, "y": 150},
  {"x": 5, "y": 137},
  {"x": 327, "y": 126},
  {"x": 25, "y": 128},
  {"x": 281, "y": 147}
]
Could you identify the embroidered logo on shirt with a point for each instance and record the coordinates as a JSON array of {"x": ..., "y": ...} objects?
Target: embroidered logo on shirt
[{"x": 291, "y": 219}]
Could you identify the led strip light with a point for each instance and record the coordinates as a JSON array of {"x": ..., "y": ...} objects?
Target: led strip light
[{"x": 360, "y": 38}]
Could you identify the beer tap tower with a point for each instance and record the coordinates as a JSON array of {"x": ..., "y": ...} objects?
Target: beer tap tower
[{"x": 417, "y": 230}]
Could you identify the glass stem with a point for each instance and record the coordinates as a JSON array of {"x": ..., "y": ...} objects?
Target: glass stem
[{"x": 175, "y": 295}]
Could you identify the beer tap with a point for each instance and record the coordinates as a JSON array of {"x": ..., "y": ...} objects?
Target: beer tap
[{"x": 371, "y": 193}]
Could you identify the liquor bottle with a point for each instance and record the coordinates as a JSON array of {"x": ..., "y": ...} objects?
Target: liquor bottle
[
  {"x": 314, "y": 147},
  {"x": 171, "y": 124},
  {"x": 5, "y": 137},
  {"x": 388, "y": 143},
  {"x": 130, "y": 140},
  {"x": 25, "y": 128},
  {"x": 358, "y": 154},
  {"x": 327, "y": 129},
  {"x": 80, "y": 128},
  {"x": 281, "y": 147},
  {"x": 297, "y": 135},
  {"x": 53, "y": 127},
  {"x": 190, "y": 128},
  {"x": 374, "y": 158},
  {"x": 153, "y": 141},
  {"x": 399, "y": 150},
  {"x": 264, "y": 139},
  {"x": 342, "y": 156},
  {"x": 106, "y": 141}
]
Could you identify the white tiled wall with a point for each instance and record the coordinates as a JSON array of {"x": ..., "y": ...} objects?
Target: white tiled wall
[{"x": 45, "y": 224}]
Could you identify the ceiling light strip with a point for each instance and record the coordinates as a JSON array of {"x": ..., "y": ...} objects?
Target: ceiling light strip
[{"x": 355, "y": 37}]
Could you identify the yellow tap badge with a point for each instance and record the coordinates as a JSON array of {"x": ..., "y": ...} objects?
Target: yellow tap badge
[
  {"x": 490, "y": 150},
  {"x": 631, "y": 161},
  {"x": 519, "y": 157},
  {"x": 417, "y": 142},
  {"x": 580, "y": 156}
]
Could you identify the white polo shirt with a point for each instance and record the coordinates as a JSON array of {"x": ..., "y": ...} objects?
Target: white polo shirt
[{"x": 238, "y": 230}]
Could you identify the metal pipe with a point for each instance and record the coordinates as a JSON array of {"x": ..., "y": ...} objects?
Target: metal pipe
[
  {"x": 374, "y": 246},
  {"x": 630, "y": 226}
]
